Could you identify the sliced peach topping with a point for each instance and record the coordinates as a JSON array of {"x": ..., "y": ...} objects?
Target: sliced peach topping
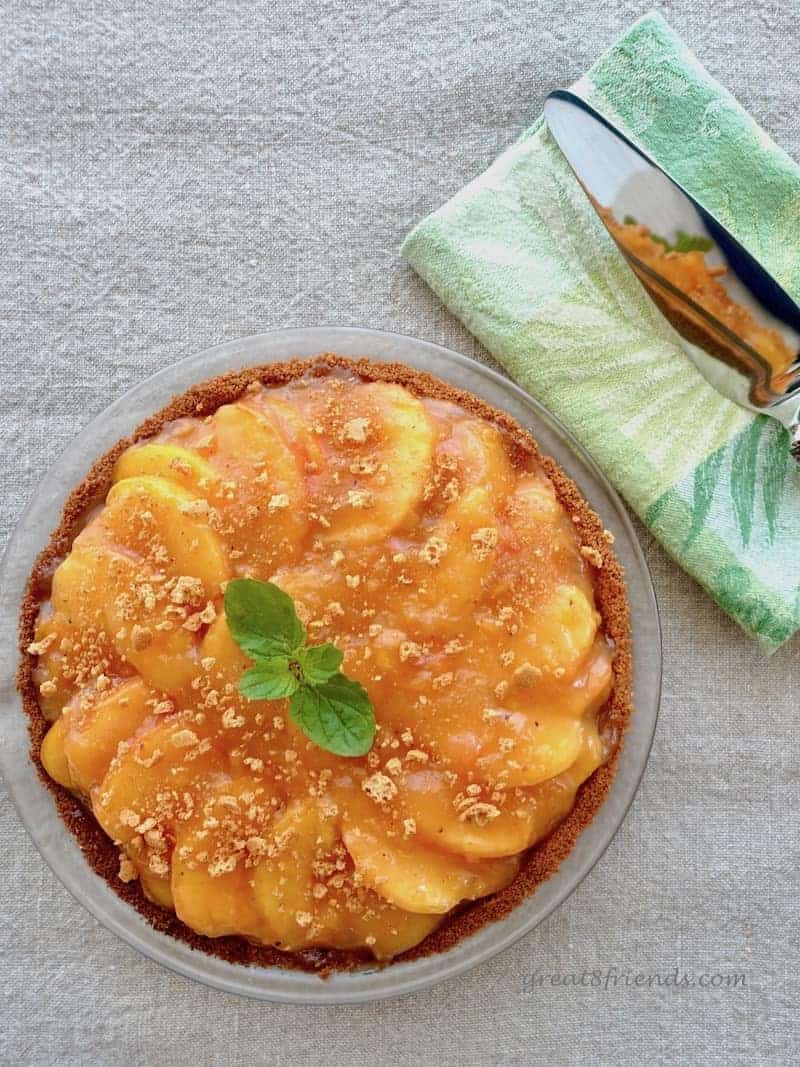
[
  {"x": 53, "y": 756},
  {"x": 161, "y": 778},
  {"x": 443, "y": 566},
  {"x": 412, "y": 875},
  {"x": 263, "y": 503},
  {"x": 305, "y": 887},
  {"x": 216, "y": 853},
  {"x": 156, "y": 519},
  {"x": 172, "y": 463},
  {"x": 93, "y": 734}
]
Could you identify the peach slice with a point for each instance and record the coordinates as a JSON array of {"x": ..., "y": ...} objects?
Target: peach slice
[
  {"x": 535, "y": 504},
  {"x": 230, "y": 662},
  {"x": 53, "y": 757},
  {"x": 312, "y": 587},
  {"x": 475, "y": 826},
  {"x": 552, "y": 800},
  {"x": 559, "y": 634},
  {"x": 161, "y": 779},
  {"x": 576, "y": 697},
  {"x": 357, "y": 917},
  {"x": 51, "y": 631},
  {"x": 173, "y": 463},
  {"x": 516, "y": 748},
  {"x": 390, "y": 931},
  {"x": 592, "y": 755},
  {"x": 481, "y": 458},
  {"x": 440, "y": 596},
  {"x": 449, "y": 569},
  {"x": 539, "y": 523},
  {"x": 154, "y": 518},
  {"x": 212, "y": 881},
  {"x": 284, "y": 882},
  {"x": 464, "y": 725},
  {"x": 264, "y": 502},
  {"x": 77, "y": 593},
  {"x": 166, "y": 661},
  {"x": 399, "y": 446},
  {"x": 216, "y": 906},
  {"x": 96, "y": 587},
  {"x": 444, "y": 816},
  {"x": 94, "y": 733},
  {"x": 156, "y": 887},
  {"x": 293, "y": 427},
  {"x": 308, "y": 895},
  {"x": 412, "y": 875}
]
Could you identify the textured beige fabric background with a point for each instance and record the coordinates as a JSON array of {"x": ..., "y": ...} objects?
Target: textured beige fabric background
[{"x": 174, "y": 176}]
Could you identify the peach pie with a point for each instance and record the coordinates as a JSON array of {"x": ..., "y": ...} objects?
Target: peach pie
[{"x": 461, "y": 586}]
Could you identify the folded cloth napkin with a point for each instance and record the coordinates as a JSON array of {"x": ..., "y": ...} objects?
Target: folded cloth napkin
[{"x": 521, "y": 258}]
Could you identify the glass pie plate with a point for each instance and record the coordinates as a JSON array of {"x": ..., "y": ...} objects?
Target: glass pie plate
[{"x": 35, "y": 803}]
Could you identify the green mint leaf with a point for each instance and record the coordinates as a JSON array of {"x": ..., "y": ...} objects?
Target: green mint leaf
[
  {"x": 691, "y": 242},
  {"x": 320, "y": 662},
  {"x": 270, "y": 679},
  {"x": 336, "y": 715},
  {"x": 262, "y": 619},
  {"x": 629, "y": 220},
  {"x": 684, "y": 242},
  {"x": 332, "y": 710}
]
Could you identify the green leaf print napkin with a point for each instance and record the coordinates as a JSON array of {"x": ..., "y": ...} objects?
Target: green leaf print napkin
[{"x": 521, "y": 258}]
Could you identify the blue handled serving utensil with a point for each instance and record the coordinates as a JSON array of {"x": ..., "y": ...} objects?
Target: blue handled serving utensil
[{"x": 744, "y": 337}]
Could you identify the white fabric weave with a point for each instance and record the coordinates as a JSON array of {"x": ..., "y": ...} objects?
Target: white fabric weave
[{"x": 175, "y": 175}]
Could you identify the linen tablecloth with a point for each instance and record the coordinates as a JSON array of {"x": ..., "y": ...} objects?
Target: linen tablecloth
[{"x": 175, "y": 175}]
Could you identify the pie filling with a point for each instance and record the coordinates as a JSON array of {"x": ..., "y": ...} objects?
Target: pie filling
[{"x": 449, "y": 575}]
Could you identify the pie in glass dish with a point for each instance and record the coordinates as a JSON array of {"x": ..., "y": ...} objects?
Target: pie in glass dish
[{"x": 479, "y": 624}]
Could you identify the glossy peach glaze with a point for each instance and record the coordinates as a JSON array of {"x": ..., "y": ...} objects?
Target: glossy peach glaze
[{"x": 456, "y": 586}]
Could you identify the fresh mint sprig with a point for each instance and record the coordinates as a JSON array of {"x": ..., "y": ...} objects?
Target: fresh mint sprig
[{"x": 331, "y": 709}]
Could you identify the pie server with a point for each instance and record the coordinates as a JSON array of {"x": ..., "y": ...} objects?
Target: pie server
[{"x": 628, "y": 190}]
